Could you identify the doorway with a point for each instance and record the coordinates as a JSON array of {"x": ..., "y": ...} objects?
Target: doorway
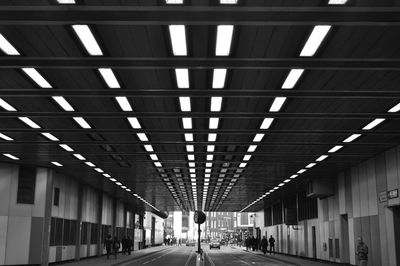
[
  {"x": 396, "y": 217},
  {"x": 345, "y": 247},
  {"x": 314, "y": 242}
]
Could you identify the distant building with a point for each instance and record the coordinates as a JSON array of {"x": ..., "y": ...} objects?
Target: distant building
[{"x": 220, "y": 224}]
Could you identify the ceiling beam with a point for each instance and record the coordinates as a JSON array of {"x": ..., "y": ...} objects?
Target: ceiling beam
[
  {"x": 200, "y": 63},
  {"x": 201, "y": 93},
  {"x": 199, "y": 15}
]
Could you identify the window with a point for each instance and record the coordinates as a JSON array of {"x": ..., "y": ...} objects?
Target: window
[
  {"x": 67, "y": 232},
  {"x": 72, "y": 232},
  {"x": 26, "y": 185},
  {"x": 94, "y": 231},
  {"x": 277, "y": 213},
  {"x": 84, "y": 233},
  {"x": 52, "y": 231},
  {"x": 59, "y": 232},
  {"x": 268, "y": 216},
  {"x": 56, "y": 198}
]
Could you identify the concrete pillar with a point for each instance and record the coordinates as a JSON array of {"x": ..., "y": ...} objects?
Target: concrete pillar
[
  {"x": 47, "y": 218},
  {"x": 99, "y": 223},
  {"x": 79, "y": 224}
]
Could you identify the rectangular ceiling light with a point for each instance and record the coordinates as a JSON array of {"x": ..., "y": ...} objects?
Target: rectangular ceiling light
[
  {"x": 228, "y": 2},
  {"x": 66, "y": 147},
  {"x": 6, "y": 106},
  {"x": 192, "y": 164},
  {"x": 188, "y": 137},
  {"x": 213, "y": 123},
  {"x": 209, "y": 165},
  {"x": 258, "y": 137},
  {"x": 216, "y": 103},
  {"x": 335, "y": 149},
  {"x": 277, "y": 104},
  {"x": 352, "y": 138},
  {"x": 247, "y": 157},
  {"x": 224, "y": 40},
  {"x": 124, "y": 103},
  {"x": 394, "y": 109},
  {"x": 134, "y": 122},
  {"x": 207, "y": 170},
  {"x": 293, "y": 176},
  {"x": 57, "y": 164},
  {"x": 109, "y": 78},
  {"x": 212, "y": 137},
  {"x": 266, "y": 123},
  {"x": 310, "y": 165},
  {"x": 63, "y": 103},
  {"x": 189, "y": 148},
  {"x": 50, "y": 136},
  {"x": 374, "y": 123},
  {"x": 174, "y": 2},
  {"x": 219, "y": 76},
  {"x": 321, "y": 158},
  {"x": 154, "y": 157},
  {"x": 82, "y": 122},
  {"x": 178, "y": 39},
  {"x": 184, "y": 102},
  {"x": 187, "y": 122},
  {"x": 12, "y": 157},
  {"x": 292, "y": 78},
  {"x": 192, "y": 170},
  {"x": 66, "y": 2},
  {"x": 89, "y": 42},
  {"x": 5, "y": 137},
  {"x": 90, "y": 164},
  {"x": 29, "y": 122},
  {"x": 314, "y": 41},
  {"x": 337, "y": 2},
  {"x": 7, "y": 47},
  {"x": 142, "y": 136},
  {"x": 242, "y": 165},
  {"x": 148, "y": 148},
  {"x": 210, "y": 148},
  {"x": 210, "y": 157},
  {"x": 252, "y": 148},
  {"x": 301, "y": 171},
  {"x": 182, "y": 78},
  {"x": 99, "y": 170},
  {"x": 37, "y": 77},
  {"x": 79, "y": 157},
  {"x": 157, "y": 164}
]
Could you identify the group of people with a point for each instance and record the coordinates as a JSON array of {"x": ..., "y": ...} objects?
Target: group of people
[
  {"x": 172, "y": 241},
  {"x": 255, "y": 244},
  {"x": 112, "y": 245}
]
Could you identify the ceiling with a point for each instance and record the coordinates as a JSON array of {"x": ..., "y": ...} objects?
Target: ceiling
[{"x": 350, "y": 80}]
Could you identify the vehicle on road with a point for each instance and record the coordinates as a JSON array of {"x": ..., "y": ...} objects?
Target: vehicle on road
[
  {"x": 215, "y": 243},
  {"x": 190, "y": 243}
]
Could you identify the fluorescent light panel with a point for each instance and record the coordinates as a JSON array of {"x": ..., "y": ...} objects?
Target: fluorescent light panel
[
  {"x": 224, "y": 40},
  {"x": 187, "y": 122},
  {"x": 12, "y": 157},
  {"x": 210, "y": 148},
  {"x": 64, "y": 104},
  {"x": 184, "y": 102},
  {"x": 310, "y": 165},
  {"x": 178, "y": 39},
  {"x": 219, "y": 76},
  {"x": 394, "y": 109},
  {"x": 148, "y": 148},
  {"x": 266, "y": 123},
  {"x": 57, "y": 164},
  {"x": 29, "y": 122},
  {"x": 337, "y": 2},
  {"x": 314, "y": 41},
  {"x": 37, "y": 77},
  {"x": 90, "y": 164},
  {"x": 247, "y": 157},
  {"x": 99, "y": 170},
  {"x": 213, "y": 123},
  {"x": 216, "y": 104},
  {"x": 301, "y": 171},
  {"x": 154, "y": 157},
  {"x": 374, "y": 123},
  {"x": 79, "y": 156},
  {"x": 189, "y": 148},
  {"x": 173, "y": 2},
  {"x": 212, "y": 137},
  {"x": 252, "y": 148},
  {"x": 109, "y": 78},
  {"x": 50, "y": 136},
  {"x": 352, "y": 138},
  {"x": 142, "y": 136},
  {"x": 87, "y": 38},
  {"x": 82, "y": 122},
  {"x": 321, "y": 158},
  {"x": 66, "y": 2},
  {"x": 258, "y": 137},
  {"x": 228, "y": 2},
  {"x": 188, "y": 137},
  {"x": 5, "y": 137},
  {"x": 7, "y": 47},
  {"x": 124, "y": 103},
  {"x": 6, "y": 106},
  {"x": 182, "y": 78},
  {"x": 277, "y": 104},
  {"x": 134, "y": 122},
  {"x": 292, "y": 78},
  {"x": 335, "y": 149}
]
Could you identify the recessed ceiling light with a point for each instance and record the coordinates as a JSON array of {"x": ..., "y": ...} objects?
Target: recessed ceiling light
[
  {"x": 124, "y": 103},
  {"x": 7, "y": 47},
  {"x": 210, "y": 157},
  {"x": 352, "y": 138},
  {"x": 337, "y": 2},
  {"x": 63, "y": 103},
  {"x": 242, "y": 165},
  {"x": 5, "y": 137},
  {"x": 189, "y": 148},
  {"x": 82, "y": 122},
  {"x": 209, "y": 165},
  {"x": 134, "y": 123},
  {"x": 277, "y": 104},
  {"x": 394, "y": 109},
  {"x": 258, "y": 137},
  {"x": 228, "y": 2},
  {"x": 335, "y": 149},
  {"x": 79, "y": 156},
  {"x": 321, "y": 158},
  {"x": 90, "y": 164},
  {"x": 287, "y": 180},
  {"x": 247, "y": 157},
  {"x": 99, "y": 170},
  {"x": 57, "y": 164},
  {"x": 310, "y": 165},
  {"x": 301, "y": 171},
  {"x": 266, "y": 123},
  {"x": 212, "y": 137},
  {"x": 37, "y": 77},
  {"x": 178, "y": 39},
  {"x": 314, "y": 41},
  {"x": 192, "y": 170},
  {"x": 185, "y": 104},
  {"x": 86, "y": 37},
  {"x": 182, "y": 78},
  {"x": 224, "y": 39},
  {"x": 154, "y": 157},
  {"x": 142, "y": 136},
  {"x": 29, "y": 122},
  {"x": 252, "y": 148},
  {"x": 281, "y": 184},
  {"x": 374, "y": 123},
  {"x": 213, "y": 123},
  {"x": 109, "y": 78},
  {"x": 50, "y": 136},
  {"x": 12, "y": 157},
  {"x": 107, "y": 175},
  {"x": 192, "y": 164},
  {"x": 219, "y": 76},
  {"x": 157, "y": 164},
  {"x": 190, "y": 157},
  {"x": 118, "y": 183},
  {"x": 66, "y": 2},
  {"x": 292, "y": 78},
  {"x": 6, "y": 106},
  {"x": 169, "y": 2},
  {"x": 216, "y": 103},
  {"x": 187, "y": 122},
  {"x": 210, "y": 148},
  {"x": 188, "y": 137},
  {"x": 148, "y": 148}
]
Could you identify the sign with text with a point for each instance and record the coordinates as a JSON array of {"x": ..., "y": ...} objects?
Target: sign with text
[
  {"x": 392, "y": 194},
  {"x": 382, "y": 196}
]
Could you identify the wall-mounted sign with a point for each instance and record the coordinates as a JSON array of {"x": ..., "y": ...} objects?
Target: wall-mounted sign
[
  {"x": 392, "y": 194},
  {"x": 383, "y": 196}
]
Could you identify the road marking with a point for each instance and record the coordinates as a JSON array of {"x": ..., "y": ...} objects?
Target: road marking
[
  {"x": 209, "y": 258},
  {"x": 190, "y": 257}
]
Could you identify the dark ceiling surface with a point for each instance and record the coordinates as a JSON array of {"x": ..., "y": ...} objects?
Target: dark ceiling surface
[{"x": 351, "y": 80}]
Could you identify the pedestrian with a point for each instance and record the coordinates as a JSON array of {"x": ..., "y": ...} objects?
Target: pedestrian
[
  {"x": 129, "y": 244},
  {"x": 264, "y": 245},
  {"x": 116, "y": 246},
  {"x": 247, "y": 243},
  {"x": 271, "y": 244},
  {"x": 253, "y": 242},
  {"x": 124, "y": 246},
  {"x": 362, "y": 252},
  {"x": 108, "y": 245}
]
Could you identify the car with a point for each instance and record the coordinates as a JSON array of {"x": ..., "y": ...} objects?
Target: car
[
  {"x": 190, "y": 244},
  {"x": 215, "y": 243}
]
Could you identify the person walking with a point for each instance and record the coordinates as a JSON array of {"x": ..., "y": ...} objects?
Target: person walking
[
  {"x": 108, "y": 245},
  {"x": 124, "y": 246},
  {"x": 362, "y": 252},
  {"x": 129, "y": 245},
  {"x": 116, "y": 246},
  {"x": 271, "y": 244},
  {"x": 264, "y": 245}
]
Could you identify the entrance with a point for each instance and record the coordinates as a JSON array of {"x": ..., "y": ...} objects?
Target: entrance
[
  {"x": 345, "y": 249},
  {"x": 396, "y": 217},
  {"x": 314, "y": 242}
]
